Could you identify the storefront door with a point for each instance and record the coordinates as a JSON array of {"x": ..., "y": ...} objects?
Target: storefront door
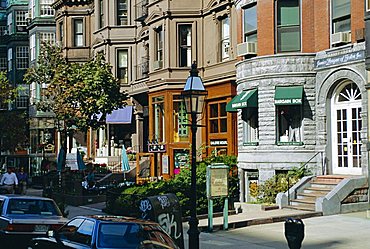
[{"x": 346, "y": 128}]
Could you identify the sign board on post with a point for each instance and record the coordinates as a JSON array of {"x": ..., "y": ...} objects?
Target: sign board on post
[{"x": 217, "y": 186}]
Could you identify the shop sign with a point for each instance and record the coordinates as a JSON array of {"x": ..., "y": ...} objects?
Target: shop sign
[
  {"x": 218, "y": 142},
  {"x": 340, "y": 59},
  {"x": 156, "y": 148}
]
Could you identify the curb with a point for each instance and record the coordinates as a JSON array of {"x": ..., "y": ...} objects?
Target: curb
[{"x": 260, "y": 221}]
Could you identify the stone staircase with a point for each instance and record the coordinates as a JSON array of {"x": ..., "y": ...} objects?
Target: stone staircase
[{"x": 318, "y": 186}]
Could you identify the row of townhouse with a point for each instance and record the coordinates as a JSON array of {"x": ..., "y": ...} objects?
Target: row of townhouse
[{"x": 286, "y": 80}]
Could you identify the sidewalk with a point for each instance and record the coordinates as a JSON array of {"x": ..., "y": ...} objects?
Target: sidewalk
[{"x": 253, "y": 215}]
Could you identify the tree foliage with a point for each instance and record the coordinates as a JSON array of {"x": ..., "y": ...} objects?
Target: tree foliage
[
  {"x": 75, "y": 92},
  {"x": 7, "y": 92},
  {"x": 13, "y": 131}
]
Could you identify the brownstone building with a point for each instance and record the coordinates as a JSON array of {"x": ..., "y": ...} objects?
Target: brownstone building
[{"x": 151, "y": 45}]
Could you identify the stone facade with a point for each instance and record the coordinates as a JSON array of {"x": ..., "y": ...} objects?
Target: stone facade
[{"x": 265, "y": 73}]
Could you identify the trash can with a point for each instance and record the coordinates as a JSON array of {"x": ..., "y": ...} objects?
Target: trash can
[
  {"x": 165, "y": 210},
  {"x": 294, "y": 232}
]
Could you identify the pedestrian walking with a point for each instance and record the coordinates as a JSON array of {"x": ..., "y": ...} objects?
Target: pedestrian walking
[
  {"x": 22, "y": 180},
  {"x": 9, "y": 181}
]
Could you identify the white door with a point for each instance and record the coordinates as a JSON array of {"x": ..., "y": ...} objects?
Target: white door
[{"x": 346, "y": 128}]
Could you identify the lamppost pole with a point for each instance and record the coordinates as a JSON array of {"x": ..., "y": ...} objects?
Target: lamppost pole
[
  {"x": 193, "y": 231},
  {"x": 194, "y": 96}
]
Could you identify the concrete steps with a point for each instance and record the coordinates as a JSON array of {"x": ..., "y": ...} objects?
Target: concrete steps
[{"x": 318, "y": 187}]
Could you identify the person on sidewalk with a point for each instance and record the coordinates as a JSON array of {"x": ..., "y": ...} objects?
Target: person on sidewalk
[
  {"x": 22, "y": 180},
  {"x": 8, "y": 181}
]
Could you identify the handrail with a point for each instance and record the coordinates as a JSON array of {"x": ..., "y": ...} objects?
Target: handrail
[{"x": 304, "y": 165}]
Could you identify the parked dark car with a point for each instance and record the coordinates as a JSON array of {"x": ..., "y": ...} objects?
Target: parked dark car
[
  {"x": 100, "y": 232},
  {"x": 25, "y": 217}
]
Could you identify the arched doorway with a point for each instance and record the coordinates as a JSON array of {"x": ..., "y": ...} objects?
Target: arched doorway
[{"x": 346, "y": 129}]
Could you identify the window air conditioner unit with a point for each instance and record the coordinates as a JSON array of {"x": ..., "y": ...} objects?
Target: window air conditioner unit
[
  {"x": 340, "y": 38},
  {"x": 6, "y": 32},
  {"x": 157, "y": 64},
  {"x": 246, "y": 48},
  {"x": 27, "y": 16}
]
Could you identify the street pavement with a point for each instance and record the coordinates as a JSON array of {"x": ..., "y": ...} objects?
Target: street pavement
[{"x": 345, "y": 231}]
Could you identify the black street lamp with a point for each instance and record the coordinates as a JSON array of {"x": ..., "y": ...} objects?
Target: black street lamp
[{"x": 194, "y": 96}]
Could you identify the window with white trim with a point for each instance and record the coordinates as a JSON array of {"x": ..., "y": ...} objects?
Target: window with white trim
[
  {"x": 185, "y": 45},
  {"x": 10, "y": 23},
  {"x": 122, "y": 65},
  {"x": 250, "y": 23},
  {"x": 250, "y": 125},
  {"x": 2, "y": 30},
  {"x": 101, "y": 14},
  {"x": 33, "y": 47},
  {"x": 21, "y": 101},
  {"x": 20, "y": 20},
  {"x": 45, "y": 8},
  {"x": 48, "y": 37},
  {"x": 78, "y": 33},
  {"x": 61, "y": 33},
  {"x": 225, "y": 38},
  {"x": 159, "y": 44},
  {"x": 10, "y": 59},
  {"x": 3, "y": 64},
  {"x": 22, "y": 53},
  {"x": 32, "y": 8},
  {"x": 288, "y": 26},
  {"x": 121, "y": 12},
  {"x": 289, "y": 124},
  {"x": 341, "y": 16}
]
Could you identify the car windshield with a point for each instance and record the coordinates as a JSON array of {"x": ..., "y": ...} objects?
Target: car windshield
[
  {"x": 32, "y": 206},
  {"x": 119, "y": 235}
]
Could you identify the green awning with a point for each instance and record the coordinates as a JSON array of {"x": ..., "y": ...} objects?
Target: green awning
[
  {"x": 288, "y": 95},
  {"x": 245, "y": 99}
]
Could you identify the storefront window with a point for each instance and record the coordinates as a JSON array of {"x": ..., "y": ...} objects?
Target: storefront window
[
  {"x": 250, "y": 125},
  {"x": 218, "y": 117},
  {"x": 158, "y": 117},
  {"x": 180, "y": 120},
  {"x": 289, "y": 124}
]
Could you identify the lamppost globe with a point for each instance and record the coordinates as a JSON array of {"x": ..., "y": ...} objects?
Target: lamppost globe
[{"x": 194, "y": 95}]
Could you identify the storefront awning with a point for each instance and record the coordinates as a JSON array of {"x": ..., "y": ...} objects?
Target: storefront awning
[
  {"x": 245, "y": 99},
  {"x": 120, "y": 116},
  {"x": 291, "y": 95}
]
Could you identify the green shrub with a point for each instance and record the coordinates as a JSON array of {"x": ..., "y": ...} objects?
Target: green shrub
[
  {"x": 279, "y": 183},
  {"x": 128, "y": 202}
]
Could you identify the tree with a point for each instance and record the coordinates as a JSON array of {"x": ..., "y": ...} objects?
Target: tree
[
  {"x": 12, "y": 123},
  {"x": 76, "y": 92}
]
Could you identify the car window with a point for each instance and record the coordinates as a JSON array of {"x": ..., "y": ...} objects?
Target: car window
[
  {"x": 68, "y": 230},
  {"x": 119, "y": 235},
  {"x": 84, "y": 233},
  {"x": 1, "y": 206},
  {"x": 31, "y": 206}
]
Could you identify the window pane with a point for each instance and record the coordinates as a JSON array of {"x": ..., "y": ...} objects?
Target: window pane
[
  {"x": 288, "y": 13},
  {"x": 214, "y": 126},
  {"x": 122, "y": 58},
  {"x": 251, "y": 38},
  {"x": 223, "y": 125},
  {"x": 214, "y": 110},
  {"x": 342, "y": 25},
  {"x": 250, "y": 19},
  {"x": 341, "y": 8},
  {"x": 289, "y": 39}
]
